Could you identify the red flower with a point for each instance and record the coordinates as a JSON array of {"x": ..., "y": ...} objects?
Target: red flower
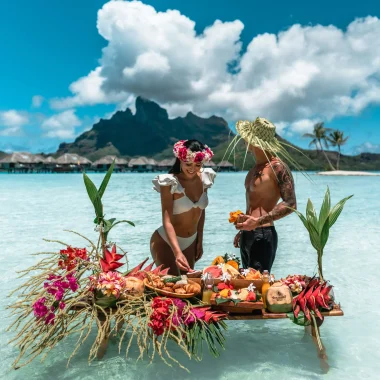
[
  {"x": 70, "y": 256},
  {"x": 110, "y": 261},
  {"x": 199, "y": 157},
  {"x": 222, "y": 285}
]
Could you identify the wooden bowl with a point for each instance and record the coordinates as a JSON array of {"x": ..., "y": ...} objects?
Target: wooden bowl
[{"x": 169, "y": 294}]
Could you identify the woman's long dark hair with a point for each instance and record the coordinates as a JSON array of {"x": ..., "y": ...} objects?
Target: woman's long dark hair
[{"x": 194, "y": 146}]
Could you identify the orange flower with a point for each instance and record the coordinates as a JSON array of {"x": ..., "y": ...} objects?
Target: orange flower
[
  {"x": 218, "y": 260},
  {"x": 233, "y": 264},
  {"x": 234, "y": 216},
  {"x": 224, "y": 293}
]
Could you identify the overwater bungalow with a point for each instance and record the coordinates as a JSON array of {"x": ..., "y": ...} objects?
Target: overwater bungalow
[
  {"x": 69, "y": 162},
  {"x": 142, "y": 164},
  {"x": 166, "y": 164},
  {"x": 226, "y": 166},
  {"x": 17, "y": 162},
  {"x": 210, "y": 164},
  {"x": 104, "y": 163}
]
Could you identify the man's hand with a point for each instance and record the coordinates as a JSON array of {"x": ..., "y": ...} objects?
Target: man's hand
[
  {"x": 247, "y": 223},
  {"x": 199, "y": 251},
  {"x": 237, "y": 240}
]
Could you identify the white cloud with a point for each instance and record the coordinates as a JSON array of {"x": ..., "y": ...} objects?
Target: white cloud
[
  {"x": 302, "y": 126},
  {"x": 13, "y": 119},
  {"x": 61, "y": 125},
  {"x": 367, "y": 147},
  {"x": 304, "y": 73},
  {"x": 88, "y": 91},
  {"x": 11, "y": 122},
  {"x": 37, "y": 101}
]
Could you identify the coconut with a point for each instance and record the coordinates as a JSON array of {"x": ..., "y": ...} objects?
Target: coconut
[{"x": 134, "y": 286}]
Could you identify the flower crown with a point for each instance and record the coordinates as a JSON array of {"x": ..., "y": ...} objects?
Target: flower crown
[{"x": 186, "y": 155}]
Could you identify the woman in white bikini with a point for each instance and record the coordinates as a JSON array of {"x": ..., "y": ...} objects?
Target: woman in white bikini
[{"x": 178, "y": 243}]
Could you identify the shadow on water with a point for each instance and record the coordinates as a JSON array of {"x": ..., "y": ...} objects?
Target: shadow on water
[{"x": 253, "y": 349}]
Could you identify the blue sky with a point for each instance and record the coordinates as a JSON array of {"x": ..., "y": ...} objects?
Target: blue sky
[{"x": 47, "y": 46}]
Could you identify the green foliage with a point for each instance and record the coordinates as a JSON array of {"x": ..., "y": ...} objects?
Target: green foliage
[
  {"x": 95, "y": 196},
  {"x": 319, "y": 226},
  {"x": 301, "y": 320}
]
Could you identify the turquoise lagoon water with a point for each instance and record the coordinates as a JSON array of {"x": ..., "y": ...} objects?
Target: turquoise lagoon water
[{"x": 37, "y": 206}]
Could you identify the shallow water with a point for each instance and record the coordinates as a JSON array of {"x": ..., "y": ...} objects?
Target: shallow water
[{"x": 39, "y": 206}]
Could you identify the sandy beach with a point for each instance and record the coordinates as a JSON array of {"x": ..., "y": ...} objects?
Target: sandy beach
[{"x": 348, "y": 173}]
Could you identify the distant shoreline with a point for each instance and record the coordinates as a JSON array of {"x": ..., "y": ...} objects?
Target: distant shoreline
[{"x": 348, "y": 173}]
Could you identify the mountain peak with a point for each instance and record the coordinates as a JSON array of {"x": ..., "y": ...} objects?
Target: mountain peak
[{"x": 148, "y": 110}]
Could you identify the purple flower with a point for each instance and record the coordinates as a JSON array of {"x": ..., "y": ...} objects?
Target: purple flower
[
  {"x": 62, "y": 305},
  {"x": 199, "y": 313},
  {"x": 179, "y": 304},
  {"x": 59, "y": 295},
  {"x": 39, "y": 308},
  {"x": 72, "y": 283},
  {"x": 189, "y": 319},
  {"x": 50, "y": 319}
]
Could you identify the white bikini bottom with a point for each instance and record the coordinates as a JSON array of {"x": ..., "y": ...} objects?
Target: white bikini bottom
[{"x": 183, "y": 242}]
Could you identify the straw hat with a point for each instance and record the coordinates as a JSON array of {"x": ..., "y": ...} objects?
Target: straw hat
[{"x": 260, "y": 133}]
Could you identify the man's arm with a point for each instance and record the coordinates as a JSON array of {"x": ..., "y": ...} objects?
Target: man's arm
[{"x": 285, "y": 182}]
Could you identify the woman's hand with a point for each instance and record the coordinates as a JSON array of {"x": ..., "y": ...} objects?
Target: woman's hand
[
  {"x": 182, "y": 262},
  {"x": 199, "y": 250},
  {"x": 237, "y": 240}
]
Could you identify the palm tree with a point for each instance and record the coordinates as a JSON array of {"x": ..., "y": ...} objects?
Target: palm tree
[
  {"x": 318, "y": 137},
  {"x": 336, "y": 138}
]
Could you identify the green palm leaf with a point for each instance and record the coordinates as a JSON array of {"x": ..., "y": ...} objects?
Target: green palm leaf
[
  {"x": 94, "y": 196},
  {"x": 336, "y": 210},
  {"x": 325, "y": 209},
  {"x": 106, "y": 179},
  {"x": 311, "y": 215}
]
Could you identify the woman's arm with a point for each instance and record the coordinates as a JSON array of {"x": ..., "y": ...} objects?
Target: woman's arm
[
  {"x": 200, "y": 227},
  {"x": 167, "y": 213}
]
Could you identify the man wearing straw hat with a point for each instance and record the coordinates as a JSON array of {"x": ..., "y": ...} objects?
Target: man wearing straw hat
[{"x": 268, "y": 181}]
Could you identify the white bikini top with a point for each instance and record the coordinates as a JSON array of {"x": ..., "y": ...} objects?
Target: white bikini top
[{"x": 184, "y": 203}]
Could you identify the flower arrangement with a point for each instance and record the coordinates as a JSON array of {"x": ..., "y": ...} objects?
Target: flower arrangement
[
  {"x": 186, "y": 155},
  {"x": 296, "y": 282},
  {"x": 226, "y": 293},
  {"x": 76, "y": 289},
  {"x": 229, "y": 259},
  {"x": 234, "y": 216}
]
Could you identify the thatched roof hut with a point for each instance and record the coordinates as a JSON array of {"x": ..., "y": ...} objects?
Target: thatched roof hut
[
  {"x": 72, "y": 159},
  {"x": 166, "y": 162},
  {"x": 50, "y": 160},
  {"x": 18, "y": 158},
  {"x": 141, "y": 161},
  {"x": 107, "y": 160},
  {"x": 38, "y": 159},
  {"x": 225, "y": 164},
  {"x": 210, "y": 164}
]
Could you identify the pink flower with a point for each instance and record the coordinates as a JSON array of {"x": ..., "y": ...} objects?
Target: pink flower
[
  {"x": 50, "y": 319},
  {"x": 199, "y": 157},
  {"x": 39, "y": 308},
  {"x": 62, "y": 305}
]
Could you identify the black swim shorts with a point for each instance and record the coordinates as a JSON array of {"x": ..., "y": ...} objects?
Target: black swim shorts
[{"x": 258, "y": 248}]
